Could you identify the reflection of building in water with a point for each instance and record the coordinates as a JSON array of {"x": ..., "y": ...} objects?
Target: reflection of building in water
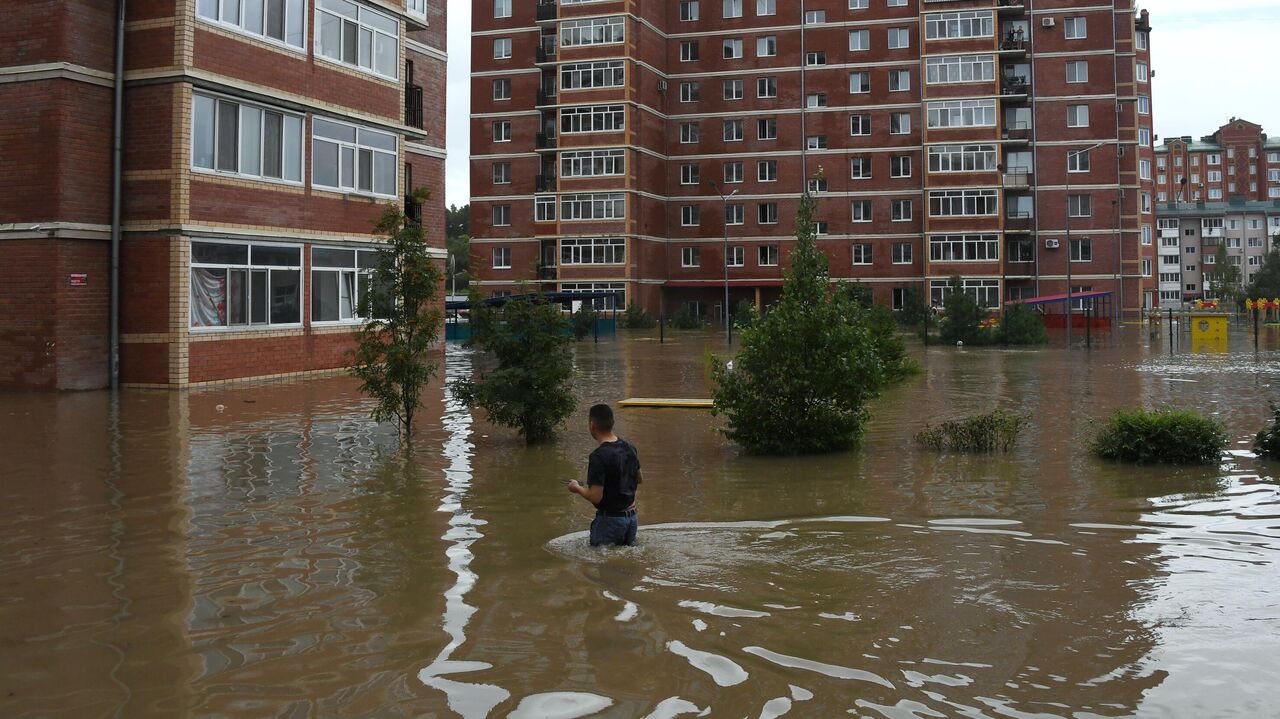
[{"x": 260, "y": 143}]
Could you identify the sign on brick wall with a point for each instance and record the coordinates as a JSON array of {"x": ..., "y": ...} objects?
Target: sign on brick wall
[{"x": 79, "y": 279}]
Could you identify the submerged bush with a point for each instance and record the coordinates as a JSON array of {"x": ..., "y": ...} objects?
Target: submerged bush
[
  {"x": 997, "y": 430},
  {"x": 1163, "y": 436},
  {"x": 962, "y": 319},
  {"x": 635, "y": 318},
  {"x": 584, "y": 320},
  {"x": 889, "y": 345},
  {"x": 806, "y": 370},
  {"x": 744, "y": 313},
  {"x": 685, "y": 319},
  {"x": 1267, "y": 443},
  {"x": 1021, "y": 325}
]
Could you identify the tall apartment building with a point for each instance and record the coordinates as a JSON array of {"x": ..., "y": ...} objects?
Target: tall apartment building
[
  {"x": 261, "y": 139},
  {"x": 1221, "y": 191},
  {"x": 617, "y": 144}
]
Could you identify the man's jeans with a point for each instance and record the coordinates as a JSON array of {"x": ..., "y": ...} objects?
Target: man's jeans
[{"x": 620, "y": 531}]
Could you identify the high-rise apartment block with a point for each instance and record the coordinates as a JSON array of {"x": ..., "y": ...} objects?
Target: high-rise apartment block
[
  {"x": 1218, "y": 200},
  {"x": 261, "y": 140},
  {"x": 654, "y": 148}
]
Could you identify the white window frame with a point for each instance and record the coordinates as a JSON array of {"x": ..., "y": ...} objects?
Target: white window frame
[
  {"x": 286, "y": 119},
  {"x": 358, "y": 150},
  {"x": 577, "y": 251},
  {"x": 242, "y": 24},
  {"x": 365, "y": 21},
  {"x": 249, "y": 268},
  {"x": 352, "y": 278}
]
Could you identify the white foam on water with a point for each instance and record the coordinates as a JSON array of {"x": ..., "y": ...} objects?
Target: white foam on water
[
  {"x": 720, "y": 610},
  {"x": 834, "y": 671},
  {"x": 674, "y": 707},
  {"x": 846, "y": 617},
  {"x": 560, "y": 705},
  {"x": 724, "y": 671}
]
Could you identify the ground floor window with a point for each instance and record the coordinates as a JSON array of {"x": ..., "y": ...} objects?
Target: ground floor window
[
  {"x": 986, "y": 292},
  {"x": 615, "y": 302},
  {"x": 899, "y": 298},
  {"x": 240, "y": 284},
  {"x": 339, "y": 281}
]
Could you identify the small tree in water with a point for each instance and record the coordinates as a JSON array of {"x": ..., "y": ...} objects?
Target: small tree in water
[
  {"x": 393, "y": 350},
  {"x": 529, "y": 389},
  {"x": 962, "y": 320},
  {"x": 806, "y": 370}
]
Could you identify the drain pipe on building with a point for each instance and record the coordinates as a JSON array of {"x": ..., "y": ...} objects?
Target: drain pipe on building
[{"x": 117, "y": 162}]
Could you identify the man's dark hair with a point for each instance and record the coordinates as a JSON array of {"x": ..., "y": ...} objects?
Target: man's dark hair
[{"x": 602, "y": 416}]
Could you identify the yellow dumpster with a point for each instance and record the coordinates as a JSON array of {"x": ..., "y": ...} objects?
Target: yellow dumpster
[{"x": 1208, "y": 332}]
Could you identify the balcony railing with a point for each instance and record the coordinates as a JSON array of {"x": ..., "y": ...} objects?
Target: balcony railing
[
  {"x": 1017, "y": 131},
  {"x": 1017, "y": 179},
  {"x": 545, "y": 53},
  {"x": 1011, "y": 5},
  {"x": 546, "y": 97},
  {"x": 413, "y": 113},
  {"x": 1014, "y": 41},
  {"x": 547, "y": 10},
  {"x": 1018, "y": 221},
  {"x": 545, "y": 182},
  {"x": 412, "y": 209},
  {"x": 547, "y": 273},
  {"x": 1015, "y": 85},
  {"x": 544, "y": 141}
]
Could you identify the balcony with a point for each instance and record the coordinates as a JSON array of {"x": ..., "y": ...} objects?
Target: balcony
[
  {"x": 1211, "y": 232},
  {"x": 545, "y": 182},
  {"x": 1017, "y": 178},
  {"x": 547, "y": 11},
  {"x": 1019, "y": 222},
  {"x": 546, "y": 97},
  {"x": 412, "y": 209},
  {"x": 413, "y": 114},
  {"x": 1011, "y": 7},
  {"x": 1015, "y": 87},
  {"x": 1013, "y": 44},
  {"x": 547, "y": 273},
  {"x": 1017, "y": 132},
  {"x": 545, "y": 54},
  {"x": 545, "y": 141},
  {"x": 1169, "y": 232}
]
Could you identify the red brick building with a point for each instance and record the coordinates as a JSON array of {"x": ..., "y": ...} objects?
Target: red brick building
[
  {"x": 261, "y": 139},
  {"x": 616, "y": 144},
  {"x": 1237, "y": 161}
]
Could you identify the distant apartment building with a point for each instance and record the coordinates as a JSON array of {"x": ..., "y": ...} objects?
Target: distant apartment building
[
  {"x": 1220, "y": 192},
  {"x": 653, "y": 148},
  {"x": 261, "y": 140}
]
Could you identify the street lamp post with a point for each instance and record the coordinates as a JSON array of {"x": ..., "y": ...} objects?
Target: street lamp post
[
  {"x": 1076, "y": 154},
  {"x": 724, "y": 202}
]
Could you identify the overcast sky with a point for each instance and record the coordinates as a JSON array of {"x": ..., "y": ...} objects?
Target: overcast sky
[{"x": 1210, "y": 59}]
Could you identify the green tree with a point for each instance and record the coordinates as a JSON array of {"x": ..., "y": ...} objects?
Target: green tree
[
  {"x": 806, "y": 370},
  {"x": 529, "y": 390},
  {"x": 392, "y": 357},
  {"x": 457, "y": 221},
  {"x": 857, "y": 293},
  {"x": 685, "y": 319},
  {"x": 1021, "y": 325},
  {"x": 1266, "y": 281},
  {"x": 744, "y": 313},
  {"x": 962, "y": 320},
  {"x": 914, "y": 310},
  {"x": 1224, "y": 282},
  {"x": 635, "y": 318},
  {"x": 584, "y": 320},
  {"x": 458, "y": 243},
  {"x": 889, "y": 345}
]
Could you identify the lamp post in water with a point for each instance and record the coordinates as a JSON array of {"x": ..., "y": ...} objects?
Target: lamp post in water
[
  {"x": 1076, "y": 154},
  {"x": 724, "y": 202}
]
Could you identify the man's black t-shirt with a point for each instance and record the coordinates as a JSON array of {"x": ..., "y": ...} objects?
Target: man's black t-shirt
[{"x": 614, "y": 465}]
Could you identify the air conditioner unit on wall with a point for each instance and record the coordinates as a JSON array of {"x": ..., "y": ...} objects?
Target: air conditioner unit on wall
[
  {"x": 1052, "y": 244},
  {"x": 1048, "y": 22}
]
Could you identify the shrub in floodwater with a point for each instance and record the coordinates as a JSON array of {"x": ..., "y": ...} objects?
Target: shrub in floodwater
[
  {"x": 889, "y": 345},
  {"x": 1021, "y": 325},
  {"x": 1267, "y": 443},
  {"x": 529, "y": 389},
  {"x": 584, "y": 320},
  {"x": 915, "y": 311},
  {"x": 806, "y": 370},
  {"x": 744, "y": 313},
  {"x": 1163, "y": 436},
  {"x": 997, "y": 430},
  {"x": 962, "y": 319},
  {"x": 635, "y": 318},
  {"x": 685, "y": 319}
]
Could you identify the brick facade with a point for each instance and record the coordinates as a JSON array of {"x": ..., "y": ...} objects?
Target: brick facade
[
  {"x": 784, "y": 111},
  {"x": 57, "y": 59}
]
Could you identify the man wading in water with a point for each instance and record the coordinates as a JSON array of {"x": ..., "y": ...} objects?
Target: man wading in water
[{"x": 613, "y": 473}]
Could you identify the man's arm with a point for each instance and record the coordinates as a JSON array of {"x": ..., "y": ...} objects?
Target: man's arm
[{"x": 592, "y": 494}]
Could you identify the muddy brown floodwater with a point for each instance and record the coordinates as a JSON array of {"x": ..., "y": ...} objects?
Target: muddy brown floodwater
[{"x": 263, "y": 551}]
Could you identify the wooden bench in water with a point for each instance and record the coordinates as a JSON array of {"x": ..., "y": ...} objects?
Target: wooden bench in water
[{"x": 662, "y": 403}]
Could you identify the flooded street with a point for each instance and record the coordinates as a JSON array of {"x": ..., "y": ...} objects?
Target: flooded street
[{"x": 264, "y": 551}]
